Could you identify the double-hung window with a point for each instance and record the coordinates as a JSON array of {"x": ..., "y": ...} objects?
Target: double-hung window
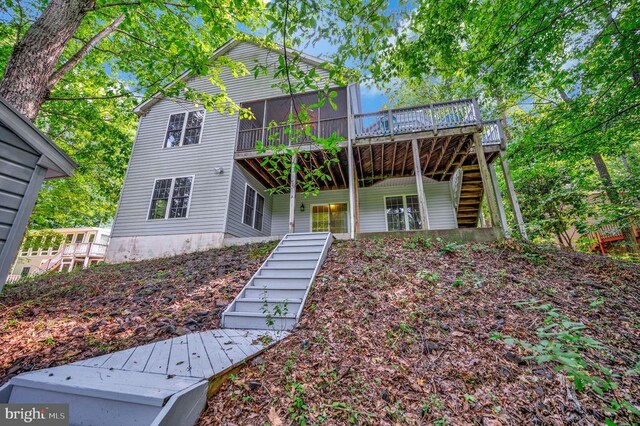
[
  {"x": 403, "y": 213},
  {"x": 170, "y": 198},
  {"x": 184, "y": 128},
  {"x": 253, "y": 208}
]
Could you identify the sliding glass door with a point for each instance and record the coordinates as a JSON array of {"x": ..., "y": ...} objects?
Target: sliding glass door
[{"x": 329, "y": 218}]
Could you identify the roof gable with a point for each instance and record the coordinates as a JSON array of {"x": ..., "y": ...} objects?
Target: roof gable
[
  {"x": 223, "y": 50},
  {"x": 53, "y": 158}
]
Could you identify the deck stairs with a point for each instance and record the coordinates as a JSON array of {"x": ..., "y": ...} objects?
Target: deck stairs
[
  {"x": 470, "y": 197},
  {"x": 166, "y": 383},
  {"x": 275, "y": 295}
]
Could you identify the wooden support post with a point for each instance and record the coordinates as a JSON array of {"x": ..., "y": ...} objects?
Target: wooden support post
[
  {"x": 496, "y": 190},
  {"x": 292, "y": 195},
  {"x": 422, "y": 199},
  {"x": 486, "y": 180},
  {"x": 513, "y": 199},
  {"x": 481, "y": 222},
  {"x": 352, "y": 191}
]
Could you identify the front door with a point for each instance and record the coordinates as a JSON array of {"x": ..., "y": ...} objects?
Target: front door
[{"x": 329, "y": 218}]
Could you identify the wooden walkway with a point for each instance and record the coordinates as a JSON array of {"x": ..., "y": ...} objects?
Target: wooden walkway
[
  {"x": 160, "y": 384},
  {"x": 199, "y": 355}
]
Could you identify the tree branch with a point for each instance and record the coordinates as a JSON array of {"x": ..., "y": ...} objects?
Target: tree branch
[
  {"x": 137, "y": 3},
  {"x": 84, "y": 50},
  {"x": 136, "y": 38},
  {"x": 84, "y": 98}
]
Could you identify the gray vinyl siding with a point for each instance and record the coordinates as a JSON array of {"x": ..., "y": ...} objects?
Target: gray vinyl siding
[
  {"x": 210, "y": 198},
  {"x": 235, "y": 226},
  {"x": 17, "y": 162},
  {"x": 440, "y": 205},
  {"x": 372, "y": 205}
]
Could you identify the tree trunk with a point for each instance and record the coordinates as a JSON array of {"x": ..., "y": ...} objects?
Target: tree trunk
[
  {"x": 609, "y": 188},
  {"x": 25, "y": 84},
  {"x": 614, "y": 197}
]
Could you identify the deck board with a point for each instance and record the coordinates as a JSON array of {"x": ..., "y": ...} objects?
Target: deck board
[
  {"x": 159, "y": 358},
  {"x": 179, "y": 357},
  {"x": 198, "y": 357},
  {"x": 229, "y": 346},
  {"x": 118, "y": 359},
  {"x": 217, "y": 356},
  {"x": 139, "y": 358}
]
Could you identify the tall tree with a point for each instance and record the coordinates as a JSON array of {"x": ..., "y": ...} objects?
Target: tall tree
[{"x": 152, "y": 41}]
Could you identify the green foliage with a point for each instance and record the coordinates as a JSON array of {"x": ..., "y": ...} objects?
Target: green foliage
[
  {"x": 563, "y": 343},
  {"x": 42, "y": 239},
  {"x": 89, "y": 112}
]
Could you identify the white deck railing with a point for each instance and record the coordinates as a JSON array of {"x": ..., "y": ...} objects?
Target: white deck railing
[
  {"x": 283, "y": 134},
  {"x": 441, "y": 115},
  {"x": 492, "y": 133}
]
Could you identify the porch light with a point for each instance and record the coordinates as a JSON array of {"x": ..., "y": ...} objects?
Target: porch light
[{"x": 302, "y": 207}]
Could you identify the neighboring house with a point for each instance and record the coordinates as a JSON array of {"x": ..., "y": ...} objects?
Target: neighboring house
[
  {"x": 27, "y": 157},
  {"x": 80, "y": 247},
  {"x": 195, "y": 179},
  {"x": 609, "y": 238}
]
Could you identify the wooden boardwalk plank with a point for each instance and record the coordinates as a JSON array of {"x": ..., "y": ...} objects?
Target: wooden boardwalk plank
[
  {"x": 139, "y": 358},
  {"x": 94, "y": 362},
  {"x": 217, "y": 356},
  {"x": 118, "y": 359},
  {"x": 198, "y": 357},
  {"x": 229, "y": 346},
  {"x": 247, "y": 341},
  {"x": 179, "y": 357},
  {"x": 159, "y": 358}
]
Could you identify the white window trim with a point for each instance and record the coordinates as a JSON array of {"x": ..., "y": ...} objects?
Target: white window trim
[
  {"x": 404, "y": 211},
  {"x": 326, "y": 204},
  {"x": 184, "y": 127},
  {"x": 255, "y": 205},
  {"x": 166, "y": 213}
]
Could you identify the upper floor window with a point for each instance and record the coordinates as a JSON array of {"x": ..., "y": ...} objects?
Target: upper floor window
[
  {"x": 170, "y": 198},
  {"x": 184, "y": 129},
  {"x": 253, "y": 208}
]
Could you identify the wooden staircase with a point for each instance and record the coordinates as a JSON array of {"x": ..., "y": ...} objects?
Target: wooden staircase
[
  {"x": 274, "y": 297},
  {"x": 470, "y": 197}
]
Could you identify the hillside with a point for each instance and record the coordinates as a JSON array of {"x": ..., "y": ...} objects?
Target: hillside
[
  {"x": 411, "y": 332},
  {"x": 395, "y": 331},
  {"x": 64, "y": 317}
]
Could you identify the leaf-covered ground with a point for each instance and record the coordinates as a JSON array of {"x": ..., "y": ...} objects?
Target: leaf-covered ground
[
  {"x": 409, "y": 332},
  {"x": 61, "y": 318}
]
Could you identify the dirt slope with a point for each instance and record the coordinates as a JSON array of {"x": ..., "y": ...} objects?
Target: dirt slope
[
  {"x": 415, "y": 332},
  {"x": 61, "y": 318}
]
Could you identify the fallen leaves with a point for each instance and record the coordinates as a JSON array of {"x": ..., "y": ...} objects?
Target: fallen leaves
[
  {"x": 419, "y": 350},
  {"x": 61, "y": 318}
]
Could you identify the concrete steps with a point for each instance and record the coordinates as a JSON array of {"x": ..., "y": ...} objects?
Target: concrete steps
[{"x": 274, "y": 297}]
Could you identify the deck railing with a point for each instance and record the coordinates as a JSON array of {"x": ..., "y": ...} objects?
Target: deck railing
[
  {"x": 285, "y": 133},
  {"x": 85, "y": 249},
  {"x": 492, "y": 133},
  {"x": 441, "y": 115},
  {"x": 397, "y": 121}
]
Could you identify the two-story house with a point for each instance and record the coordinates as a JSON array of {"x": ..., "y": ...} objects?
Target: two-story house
[{"x": 196, "y": 180}]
